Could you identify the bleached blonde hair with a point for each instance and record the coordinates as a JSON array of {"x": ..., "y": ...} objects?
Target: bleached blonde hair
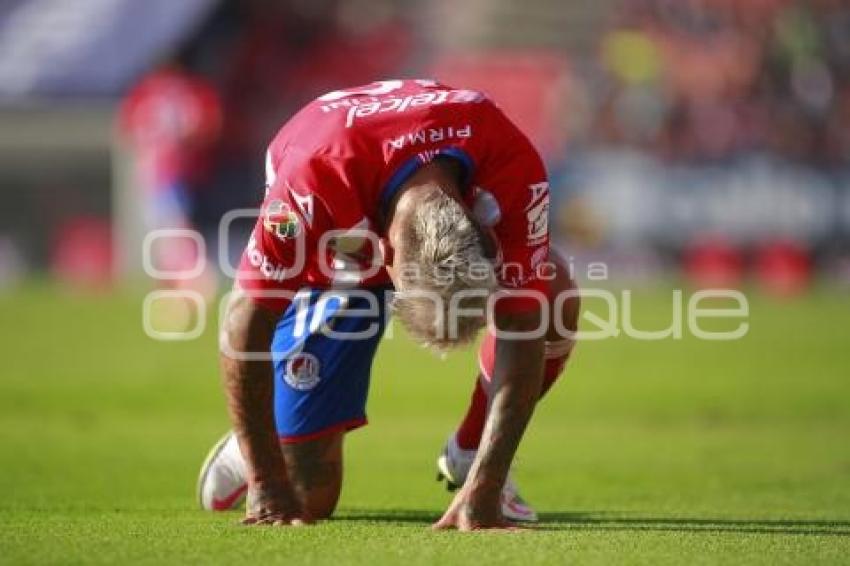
[{"x": 444, "y": 275}]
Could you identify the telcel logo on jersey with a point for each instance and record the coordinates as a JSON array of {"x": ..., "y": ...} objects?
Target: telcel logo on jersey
[
  {"x": 281, "y": 220},
  {"x": 362, "y": 109}
]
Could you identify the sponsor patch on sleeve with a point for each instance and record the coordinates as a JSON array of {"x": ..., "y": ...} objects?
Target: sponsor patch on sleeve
[{"x": 279, "y": 219}]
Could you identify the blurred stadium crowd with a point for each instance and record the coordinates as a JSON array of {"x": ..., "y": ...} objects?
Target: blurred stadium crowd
[
  {"x": 709, "y": 134},
  {"x": 719, "y": 130},
  {"x": 711, "y": 79}
]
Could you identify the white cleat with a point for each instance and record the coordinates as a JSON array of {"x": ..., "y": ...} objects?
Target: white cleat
[
  {"x": 221, "y": 483},
  {"x": 453, "y": 465},
  {"x": 514, "y": 507}
]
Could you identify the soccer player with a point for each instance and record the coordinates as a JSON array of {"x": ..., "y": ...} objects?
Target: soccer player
[{"x": 411, "y": 185}]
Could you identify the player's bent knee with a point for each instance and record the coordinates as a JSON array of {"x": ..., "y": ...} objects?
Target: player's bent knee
[
  {"x": 560, "y": 337},
  {"x": 315, "y": 473},
  {"x": 565, "y": 302},
  {"x": 318, "y": 508}
]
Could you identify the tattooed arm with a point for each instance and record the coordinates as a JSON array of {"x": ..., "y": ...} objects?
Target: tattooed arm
[
  {"x": 517, "y": 383},
  {"x": 249, "y": 386}
]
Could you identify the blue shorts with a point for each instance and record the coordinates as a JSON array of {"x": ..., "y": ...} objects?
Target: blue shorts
[{"x": 322, "y": 353}]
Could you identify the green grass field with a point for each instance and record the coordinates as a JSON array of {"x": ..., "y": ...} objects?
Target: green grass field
[{"x": 647, "y": 452}]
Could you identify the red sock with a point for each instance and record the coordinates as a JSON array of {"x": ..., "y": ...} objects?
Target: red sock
[
  {"x": 469, "y": 433},
  {"x": 551, "y": 371}
]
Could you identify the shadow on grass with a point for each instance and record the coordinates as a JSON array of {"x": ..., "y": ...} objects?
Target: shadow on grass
[
  {"x": 602, "y": 521},
  {"x": 599, "y": 521}
]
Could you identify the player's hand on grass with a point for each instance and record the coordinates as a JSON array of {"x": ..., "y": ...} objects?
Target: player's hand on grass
[
  {"x": 273, "y": 505},
  {"x": 475, "y": 511}
]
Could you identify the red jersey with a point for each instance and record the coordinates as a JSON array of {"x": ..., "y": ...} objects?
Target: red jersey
[{"x": 333, "y": 169}]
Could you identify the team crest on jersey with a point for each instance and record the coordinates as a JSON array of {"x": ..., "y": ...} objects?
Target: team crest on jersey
[
  {"x": 280, "y": 220},
  {"x": 302, "y": 371}
]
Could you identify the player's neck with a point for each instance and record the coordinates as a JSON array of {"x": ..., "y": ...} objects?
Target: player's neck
[
  {"x": 404, "y": 208},
  {"x": 440, "y": 174}
]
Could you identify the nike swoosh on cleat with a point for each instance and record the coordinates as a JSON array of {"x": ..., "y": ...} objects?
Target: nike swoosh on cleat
[
  {"x": 207, "y": 466},
  {"x": 227, "y": 502}
]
